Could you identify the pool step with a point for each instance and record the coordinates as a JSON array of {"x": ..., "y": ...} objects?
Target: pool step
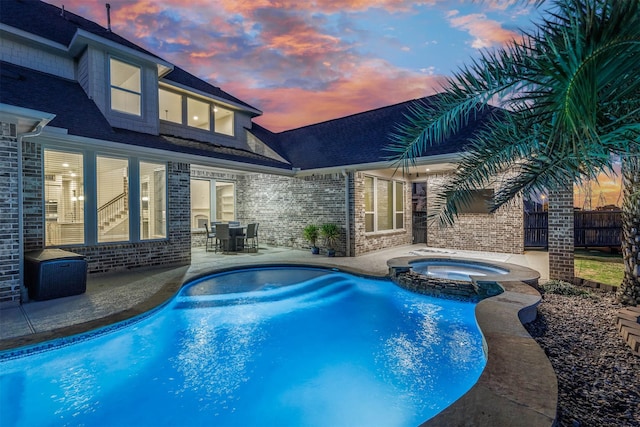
[
  {"x": 628, "y": 325},
  {"x": 327, "y": 285}
]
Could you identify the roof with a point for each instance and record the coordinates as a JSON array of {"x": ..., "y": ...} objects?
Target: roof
[
  {"x": 48, "y": 21},
  {"x": 356, "y": 139},
  {"x": 78, "y": 114}
]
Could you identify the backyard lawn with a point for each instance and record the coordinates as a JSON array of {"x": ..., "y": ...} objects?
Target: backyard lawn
[{"x": 599, "y": 267}]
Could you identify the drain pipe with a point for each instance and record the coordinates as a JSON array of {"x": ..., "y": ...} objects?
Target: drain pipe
[
  {"x": 345, "y": 174},
  {"x": 24, "y": 295}
]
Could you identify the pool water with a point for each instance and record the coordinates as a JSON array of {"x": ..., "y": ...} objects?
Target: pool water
[
  {"x": 267, "y": 347},
  {"x": 455, "y": 270}
]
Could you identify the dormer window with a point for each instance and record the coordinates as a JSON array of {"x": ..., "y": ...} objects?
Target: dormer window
[
  {"x": 170, "y": 106},
  {"x": 126, "y": 87},
  {"x": 223, "y": 120},
  {"x": 198, "y": 114}
]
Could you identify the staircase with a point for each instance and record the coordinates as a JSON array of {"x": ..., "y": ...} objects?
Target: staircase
[
  {"x": 628, "y": 324},
  {"x": 113, "y": 213}
]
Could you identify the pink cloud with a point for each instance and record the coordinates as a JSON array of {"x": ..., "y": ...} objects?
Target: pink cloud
[
  {"x": 372, "y": 85},
  {"x": 486, "y": 32}
]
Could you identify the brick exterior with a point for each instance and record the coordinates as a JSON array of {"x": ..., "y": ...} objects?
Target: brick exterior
[
  {"x": 283, "y": 206},
  {"x": 561, "y": 239},
  {"x": 501, "y": 231},
  {"x": 9, "y": 227}
]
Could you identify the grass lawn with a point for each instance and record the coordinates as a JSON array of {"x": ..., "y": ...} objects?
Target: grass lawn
[{"x": 599, "y": 267}]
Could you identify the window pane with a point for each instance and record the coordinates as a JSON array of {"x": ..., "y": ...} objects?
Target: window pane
[
  {"x": 126, "y": 87},
  {"x": 125, "y": 102},
  {"x": 64, "y": 198},
  {"x": 225, "y": 201},
  {"x": 368, "y": 222},
  {"x": 223, "y": 120},
  {"x": 170, "y": 106},
  {"x": 399, "y": 196},
  {"x": 153, "y": 201},
  {"x": 384, "y": 205},
  {"x": 112, "y": 177},
  {"x": 399, "y": 220},
  {"x": 200, "y": 203},
  {"x": 368, "y": 194},
  {"x": 198, "y": 114}
]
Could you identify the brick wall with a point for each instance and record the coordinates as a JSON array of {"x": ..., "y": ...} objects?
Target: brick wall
[
  {"x": 501, "y": 231},
  {"x": 176, "y": 250},
  {"x": 283, "y": 206},
  {"x": 9, "y": 231},
  {"x": 561, "y": 237}
]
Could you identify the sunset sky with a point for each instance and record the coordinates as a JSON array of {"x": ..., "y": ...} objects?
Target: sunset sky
[{"x": 304, "y": 62}]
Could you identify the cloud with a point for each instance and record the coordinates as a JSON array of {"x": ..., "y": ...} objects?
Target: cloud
[
  {"x": 370, "y": 85},
  {"x": 485, "y": 32}
]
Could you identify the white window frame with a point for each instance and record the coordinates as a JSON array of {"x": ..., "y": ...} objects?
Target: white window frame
[
  {"x": 128, "y": 91},
  {"x": 395, "y": 227}
]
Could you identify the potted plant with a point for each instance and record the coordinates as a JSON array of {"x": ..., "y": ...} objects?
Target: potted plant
[
  {"x": 331, "y": 233},
  {"x": 310, "y": 233}
]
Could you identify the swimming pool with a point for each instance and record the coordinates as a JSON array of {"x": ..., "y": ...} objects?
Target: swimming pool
[{"x": 271, "y": 346}]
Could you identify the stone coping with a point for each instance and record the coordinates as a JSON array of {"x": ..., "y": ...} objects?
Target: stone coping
[{"x": 518, "y": 386}]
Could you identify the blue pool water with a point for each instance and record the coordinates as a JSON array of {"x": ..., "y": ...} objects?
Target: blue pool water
[{"x": 259, "y": 347}]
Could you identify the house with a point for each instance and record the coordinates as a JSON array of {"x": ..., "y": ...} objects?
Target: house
[{"x": 112, "y": 152}]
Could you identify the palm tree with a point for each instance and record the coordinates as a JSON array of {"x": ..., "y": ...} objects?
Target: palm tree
[{"x": 570, "y": 94}]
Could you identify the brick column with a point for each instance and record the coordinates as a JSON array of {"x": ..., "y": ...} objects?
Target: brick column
[{"x": 561, "y": 237}]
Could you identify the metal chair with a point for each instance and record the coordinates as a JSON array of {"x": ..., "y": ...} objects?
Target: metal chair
[
  {"x": 222, "y": 237},
  {"x": 211, "y": 236},
  {"x": 251, "y": 238}
]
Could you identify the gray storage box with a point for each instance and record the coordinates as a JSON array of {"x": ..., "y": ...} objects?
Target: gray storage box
[{"x": 54, "y": 273}]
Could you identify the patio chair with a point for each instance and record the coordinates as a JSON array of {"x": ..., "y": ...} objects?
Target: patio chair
[
  {"x": 211, "y": 237},
  {"x": 222, "y": 237},
  {"x": 251, "y": 238}
]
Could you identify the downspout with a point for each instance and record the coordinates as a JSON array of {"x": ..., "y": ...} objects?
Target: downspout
[
  {"x": 24, "y": 296},
  {"x": 345, "y": 174}
]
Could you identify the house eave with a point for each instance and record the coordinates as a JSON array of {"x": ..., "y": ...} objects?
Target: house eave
[{"x": 438, "y": 159}]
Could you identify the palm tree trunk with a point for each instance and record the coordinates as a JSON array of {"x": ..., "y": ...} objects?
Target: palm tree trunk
[{"x": 629, "y": 292}]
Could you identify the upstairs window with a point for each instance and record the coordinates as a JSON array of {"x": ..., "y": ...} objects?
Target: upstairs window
[
  {"x": 126, "y": 87},
  {"x": 170, "y": 106},
  {"x": 198, "y": 114},
  {"x": 223, "y": 120}
]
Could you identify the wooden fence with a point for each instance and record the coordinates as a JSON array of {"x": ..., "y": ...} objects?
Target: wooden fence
[{"x": 590, "y": 229}]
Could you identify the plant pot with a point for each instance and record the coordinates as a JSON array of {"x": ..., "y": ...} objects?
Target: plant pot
[
  {"x": 331, "y": 252},
  {"x": 315, "y": 250}
]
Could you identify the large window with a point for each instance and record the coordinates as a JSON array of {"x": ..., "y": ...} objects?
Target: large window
[
  {"x": 63, "y": 198},
  {"x": 112, "y": 178},
  {"x": 198, "y": 114},
  {"x": 384, "y": 204},
  {"x": 223, "y": 120},
  {"x": 211, "y": 201},
  {"x": 170, "y": 106},
  {"x": 153, "y": 204},
  {"x": 126, "y": 87}
]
